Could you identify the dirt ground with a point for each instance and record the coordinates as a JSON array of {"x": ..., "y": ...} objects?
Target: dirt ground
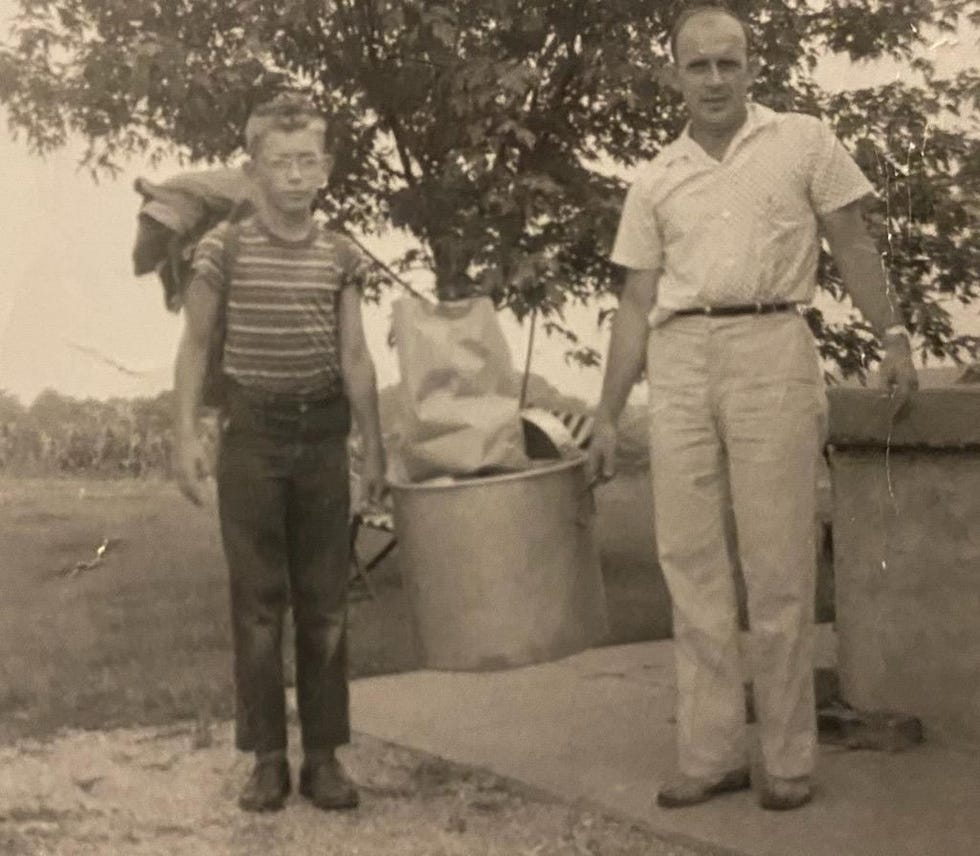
[{"x": 172, "y": 791}]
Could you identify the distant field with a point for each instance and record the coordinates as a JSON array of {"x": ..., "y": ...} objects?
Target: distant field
[{"x": 143, "y": 637}]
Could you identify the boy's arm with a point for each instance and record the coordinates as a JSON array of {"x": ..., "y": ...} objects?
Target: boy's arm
[
  {"x": 627, "y": 348},
  {"x": 200, "y": 316},
  {"x": 361, "y": 386},
  {"x": 864, "y": 277}
]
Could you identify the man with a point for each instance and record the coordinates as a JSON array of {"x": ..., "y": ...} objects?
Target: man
[
  {"x": 719, "y": 238},
  {"x": 297, "y": 364}
]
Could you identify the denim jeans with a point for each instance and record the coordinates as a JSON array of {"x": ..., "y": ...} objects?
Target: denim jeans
[
  {"x": 736, "y": 412},
  {"x": 283, "y": 500}
]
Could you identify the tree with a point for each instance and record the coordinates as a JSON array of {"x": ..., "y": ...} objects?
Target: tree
[
  {"x": 53, "y": 412},
  {"x": 492, "y": 131},
  {"x": 10, "y": 407}
]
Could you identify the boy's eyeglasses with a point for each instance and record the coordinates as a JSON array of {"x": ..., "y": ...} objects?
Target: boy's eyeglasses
[{"x": 306, "y": 164}]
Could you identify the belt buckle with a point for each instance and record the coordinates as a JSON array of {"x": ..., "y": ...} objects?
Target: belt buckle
[
  {"x": 708, "y": 310},
  {"x": 759, "y": 307}
]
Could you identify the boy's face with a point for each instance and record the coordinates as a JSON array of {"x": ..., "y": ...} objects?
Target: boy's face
[{"x": 290, "y": 167}]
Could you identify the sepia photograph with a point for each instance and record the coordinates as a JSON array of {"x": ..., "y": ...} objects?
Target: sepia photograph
[{"x": 490, "y": 428}]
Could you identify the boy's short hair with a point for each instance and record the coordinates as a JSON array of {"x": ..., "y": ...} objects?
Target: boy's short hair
[
  {"x": 286, "y": 112},
  {"x": 700, "y": 7}
]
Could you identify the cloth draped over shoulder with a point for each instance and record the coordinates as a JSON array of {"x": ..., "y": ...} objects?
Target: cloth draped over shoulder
[{"x": 173, "y": 216}]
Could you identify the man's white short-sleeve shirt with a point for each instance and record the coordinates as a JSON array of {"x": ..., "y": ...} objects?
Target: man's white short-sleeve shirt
[{"x": 742, "y": 229}]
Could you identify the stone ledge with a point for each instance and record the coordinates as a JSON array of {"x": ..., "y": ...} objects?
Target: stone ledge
[{"x": 938, "y": 418}]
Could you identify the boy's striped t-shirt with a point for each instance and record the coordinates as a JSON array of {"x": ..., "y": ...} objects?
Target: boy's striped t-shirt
[{"x": 282, "y": 329}]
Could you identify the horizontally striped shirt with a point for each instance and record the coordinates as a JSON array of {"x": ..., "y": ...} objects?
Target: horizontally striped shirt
[{"x": 282, "y": 332}]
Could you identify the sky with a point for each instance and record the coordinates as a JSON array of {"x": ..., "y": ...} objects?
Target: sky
[{"x": 73, "y": 316}]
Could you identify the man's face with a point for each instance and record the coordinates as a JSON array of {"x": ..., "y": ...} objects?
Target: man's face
[
  {"x": 290, "y": 167},
  {"x": 712, "y": 72}
]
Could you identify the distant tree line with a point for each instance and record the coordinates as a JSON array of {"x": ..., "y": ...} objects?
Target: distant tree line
[
  {"x": 133, "y": 437},
  {"x": 59, "y": 434}
]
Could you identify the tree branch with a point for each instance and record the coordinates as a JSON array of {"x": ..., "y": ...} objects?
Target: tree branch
[{"x": 385, "y": 267}]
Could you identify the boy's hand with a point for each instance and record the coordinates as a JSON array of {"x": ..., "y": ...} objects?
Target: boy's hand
[
  {"x": 192, "y": 468},
  {"x": 601, "y": 465},
  {"x": 374, "y": 483}
]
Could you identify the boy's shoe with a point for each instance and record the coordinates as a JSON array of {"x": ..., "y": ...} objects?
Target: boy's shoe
[
  {"x": 689, "y": 790},
  {"x": 267, "y": 787},
  {"x": 326, "y": 785},
  {"x": 778, "y": 794}
]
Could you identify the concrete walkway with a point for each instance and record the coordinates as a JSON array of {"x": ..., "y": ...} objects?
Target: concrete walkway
[{"x": 598, "y": 726}]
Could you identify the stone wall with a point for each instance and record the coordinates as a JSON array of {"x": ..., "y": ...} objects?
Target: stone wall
[{"x": 906, "y": 522}]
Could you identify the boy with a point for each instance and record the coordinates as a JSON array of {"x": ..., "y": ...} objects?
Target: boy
[{"x": 296, "y": 365}]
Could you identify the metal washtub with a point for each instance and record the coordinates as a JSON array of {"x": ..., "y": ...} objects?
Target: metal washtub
[{"x": 502, "y": 571}]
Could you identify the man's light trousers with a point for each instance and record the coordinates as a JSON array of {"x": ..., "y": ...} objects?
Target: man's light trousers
[{"x": 737, "y": 406}]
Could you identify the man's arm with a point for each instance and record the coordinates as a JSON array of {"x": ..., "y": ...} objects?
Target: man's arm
[
  {"x": 200, "y": 316},
  {"x": 627, "y": 351},
  {"x": 865, "y": 280},
  {"x": 362, "y": 391}
]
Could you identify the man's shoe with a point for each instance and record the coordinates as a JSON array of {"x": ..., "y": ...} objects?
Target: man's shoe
[
  {"x": 688, "y": 790},
  {"x": 326, "y": 785},
  {"x": 267, "y": 787},
  {"x": 778, "y": 794}
]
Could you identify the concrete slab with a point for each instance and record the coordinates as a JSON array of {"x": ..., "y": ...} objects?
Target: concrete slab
[{"x": 599, "y": 726}]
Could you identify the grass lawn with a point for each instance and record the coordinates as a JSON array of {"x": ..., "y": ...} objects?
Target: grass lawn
[{"x": 143, "y": 637}]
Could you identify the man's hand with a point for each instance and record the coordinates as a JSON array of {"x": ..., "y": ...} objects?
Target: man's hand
[
  {"x": 374, "y": 484},
  {"x": 897, "y": 372},
  {"x": 192, "y": 468},
  {"x": 601, "y": 464},
  {"x": 627, "y": 349},
  {"x": 865, "y": 280}
]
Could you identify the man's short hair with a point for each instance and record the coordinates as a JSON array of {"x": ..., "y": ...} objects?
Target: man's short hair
[
  {"x": 701, "y": 7},
  {"x": 286, "y": 112}
]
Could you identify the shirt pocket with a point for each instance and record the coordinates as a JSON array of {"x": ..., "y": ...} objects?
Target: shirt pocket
[{"x": 784, "y": 209}]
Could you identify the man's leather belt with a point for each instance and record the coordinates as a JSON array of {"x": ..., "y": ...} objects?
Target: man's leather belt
[{"x": 739, "y": 309}]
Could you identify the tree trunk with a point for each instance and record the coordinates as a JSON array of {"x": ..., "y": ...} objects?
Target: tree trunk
[{"x": 453, "y": 282}]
